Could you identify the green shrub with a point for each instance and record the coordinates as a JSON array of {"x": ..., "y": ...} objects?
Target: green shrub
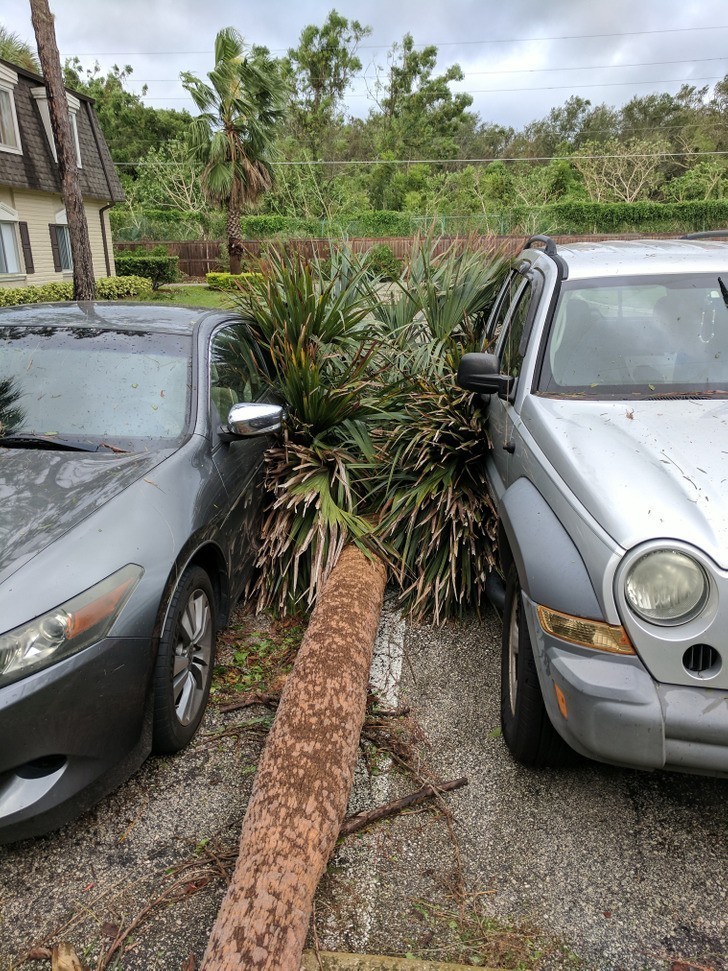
[
  {"x": 263, "y": 227},
  {"x": 380, "y": 261},
  {"x": 230, "y": 281},
  {"x": 122, "y": 287},
  {"x": 380, "y": 223},
  {"x": 620, "y": 217},
  {"x": 155, "y": 264},
  {"x": 107, "y": 288}
]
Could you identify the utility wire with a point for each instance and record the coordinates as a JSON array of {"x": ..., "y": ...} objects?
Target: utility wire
[
  {"x": 540, "y": 87},
  {"x": 524, "y": 70},
  {"x": 453, "y": 43},
  {"x": 456, "y": 161}
]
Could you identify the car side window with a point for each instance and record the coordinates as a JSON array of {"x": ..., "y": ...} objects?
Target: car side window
[
  {"x": 513, "y": 346},
  {"x": 235, "y": 376},
  {"x": 503, "y": 305}
]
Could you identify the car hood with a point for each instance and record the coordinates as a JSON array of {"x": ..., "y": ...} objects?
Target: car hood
[
  {"x": 43, "y": 494},
  {"x": 643, "y": 469}
]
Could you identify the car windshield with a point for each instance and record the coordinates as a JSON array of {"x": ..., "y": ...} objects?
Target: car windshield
[
  {"x": 116, "y": 389},
  {"x": 639, "y": 337}
]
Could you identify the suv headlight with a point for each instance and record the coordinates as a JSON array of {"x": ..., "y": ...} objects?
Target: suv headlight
[
  {"x": 666, "y": 587},
  {"x": 68, "y": 628}
]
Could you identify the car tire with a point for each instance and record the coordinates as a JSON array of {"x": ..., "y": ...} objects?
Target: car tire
[
  {"x": 527, "y": 729},
  {"x": 185, "y": 660}
]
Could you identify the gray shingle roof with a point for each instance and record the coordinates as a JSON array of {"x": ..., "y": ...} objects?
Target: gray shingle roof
[{"x": 36, "y": 169}]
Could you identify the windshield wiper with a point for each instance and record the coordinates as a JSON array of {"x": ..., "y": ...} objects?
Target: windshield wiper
[
  {"x": 712, "y": 393},
  {"x": 42, "y": 441}
]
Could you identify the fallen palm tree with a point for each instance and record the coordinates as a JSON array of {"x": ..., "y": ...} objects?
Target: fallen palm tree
[{"x": 304, "y": 779}]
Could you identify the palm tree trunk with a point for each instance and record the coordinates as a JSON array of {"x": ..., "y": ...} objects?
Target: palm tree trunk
[
  {"x": 304, "y": 779},
  {"x": 235, "y": 237},
  {"x": 84, "y": 284}
]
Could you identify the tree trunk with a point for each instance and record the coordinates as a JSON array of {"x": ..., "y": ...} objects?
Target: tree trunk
[
  {"x": 235, "y": 238},
  {"x": 304, "y": 779},
  {"x": 84, "y": 286}
]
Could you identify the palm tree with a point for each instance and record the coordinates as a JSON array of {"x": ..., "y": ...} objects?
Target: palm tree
[
  {"x": 15, "y": 50},
  {"x": 232, "y": 138}
]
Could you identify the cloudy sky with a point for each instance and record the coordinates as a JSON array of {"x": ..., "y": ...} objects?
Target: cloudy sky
[{"x": 520, "y": 58}]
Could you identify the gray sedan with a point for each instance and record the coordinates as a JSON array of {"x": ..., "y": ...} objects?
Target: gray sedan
[{"x": 131, "y": 445}]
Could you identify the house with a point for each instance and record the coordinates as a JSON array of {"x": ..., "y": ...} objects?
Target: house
[{"x": 34, "y": 241}]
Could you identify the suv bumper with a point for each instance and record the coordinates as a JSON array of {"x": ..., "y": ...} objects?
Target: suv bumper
[{"x": 617, "y": 713}]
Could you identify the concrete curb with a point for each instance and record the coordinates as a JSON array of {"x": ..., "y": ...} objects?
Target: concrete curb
[{"x": 328, "y": 961}]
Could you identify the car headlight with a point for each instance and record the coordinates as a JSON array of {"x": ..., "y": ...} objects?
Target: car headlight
[
  {"x": 68, "y": 628},
  {"x": 666, "y": 587}
]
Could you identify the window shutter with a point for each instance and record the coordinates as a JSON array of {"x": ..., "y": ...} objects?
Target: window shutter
[
  {"x": 54, "y": 248},
  {"x": 27, "y": 252}
]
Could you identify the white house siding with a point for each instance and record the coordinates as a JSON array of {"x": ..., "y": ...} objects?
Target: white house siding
[{"x": 38, "y": 210}]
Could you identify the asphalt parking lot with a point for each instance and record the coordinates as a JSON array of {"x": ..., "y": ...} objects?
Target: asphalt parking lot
[{"x": 627, "y": 871}]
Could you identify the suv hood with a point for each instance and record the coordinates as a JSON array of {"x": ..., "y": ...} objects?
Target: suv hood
[
  {"x": 43, "y": 494},
  {"x": 643, "y": 469}
]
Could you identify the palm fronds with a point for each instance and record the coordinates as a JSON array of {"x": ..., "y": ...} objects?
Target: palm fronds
[{"x": 436, "y": 514}]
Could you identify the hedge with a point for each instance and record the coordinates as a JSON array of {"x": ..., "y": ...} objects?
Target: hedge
[
  {"x": 230, "y": 281},
  {"x": 158, "y": 266},
  {"x": 264, "y": 227},
  {"x": 622, "y": 217},
  {"x": 107, "y": 288}
]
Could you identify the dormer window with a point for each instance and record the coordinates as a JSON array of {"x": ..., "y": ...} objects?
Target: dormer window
[
  {"x": 41, "y": 99},
  {"x": 9, "y": 131}
]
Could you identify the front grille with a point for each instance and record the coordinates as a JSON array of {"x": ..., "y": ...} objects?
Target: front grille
[{"x": 702, "y": 659}]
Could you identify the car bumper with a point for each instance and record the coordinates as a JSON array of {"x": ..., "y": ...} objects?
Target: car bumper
[
  {"x": 616, "y": 713},
  {"x": 72, "y": 732}
]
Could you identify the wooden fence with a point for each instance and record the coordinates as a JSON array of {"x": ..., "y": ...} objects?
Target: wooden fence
[{"x": 198, "y": 257}]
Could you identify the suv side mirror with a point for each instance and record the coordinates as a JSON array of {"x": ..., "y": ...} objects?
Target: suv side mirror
[{"x": 479, "y": 372}]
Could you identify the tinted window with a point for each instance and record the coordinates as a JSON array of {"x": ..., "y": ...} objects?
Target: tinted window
[
  {"x": 513, "y": 348},
  {"x": 235, "y": 375}
]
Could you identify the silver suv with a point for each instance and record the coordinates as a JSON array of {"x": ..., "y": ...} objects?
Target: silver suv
[{"x": 607, "y": 390}]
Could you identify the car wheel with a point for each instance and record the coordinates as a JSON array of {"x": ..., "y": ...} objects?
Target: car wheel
[
  {"x": 185, "y": 660},
  {"x": 526, "y": 726}
]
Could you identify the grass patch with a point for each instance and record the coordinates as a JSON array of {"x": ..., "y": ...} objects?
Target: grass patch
[
  {"x": 255, "y": 655},
  {"x": 192, "y": 296},
  {"x": 466, "y": 933}
]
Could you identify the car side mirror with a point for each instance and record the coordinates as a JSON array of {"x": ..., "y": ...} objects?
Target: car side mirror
[
  {"x": 479, "y": 372},
  {"x": 252, "y": 418}
]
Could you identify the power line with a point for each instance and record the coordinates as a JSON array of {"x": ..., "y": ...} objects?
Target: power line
[
  {"x": 455, "y": 161},
  {"x": 524, "y": 70},
  {"x": 540, "y": 87},
  {"x": 453, "y": 43}
]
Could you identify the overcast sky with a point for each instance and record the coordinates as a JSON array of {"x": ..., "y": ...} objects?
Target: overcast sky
[{"x": 520, "y": 58}]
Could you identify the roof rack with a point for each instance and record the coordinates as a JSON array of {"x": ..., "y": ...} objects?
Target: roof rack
[
  {"x": 707, "y": 234},
  {"x": 550, "y": 250},
  {"x": 549, "y": 244}
]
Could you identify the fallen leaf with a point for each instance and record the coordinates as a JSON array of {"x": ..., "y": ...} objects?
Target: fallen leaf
[
  {"x": 38, "y": 954},
  {"x": 64, "y": 958},
  {"x": 630, "y": 414},
  {"x": 190, "y": 964}
]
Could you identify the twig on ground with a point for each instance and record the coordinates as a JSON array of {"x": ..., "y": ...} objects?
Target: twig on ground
[{"x": 358, "y": 822}]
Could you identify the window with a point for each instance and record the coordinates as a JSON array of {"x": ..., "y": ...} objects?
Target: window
[
  {"x": 41, "y": 99},
  {"x": 512, "y": 348},
  {"x": 61, "y": 243},
  {"x": 235, "y": 374},
  {"x": 9, "y": 132},
  {"x": 9, "y": 262}
]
